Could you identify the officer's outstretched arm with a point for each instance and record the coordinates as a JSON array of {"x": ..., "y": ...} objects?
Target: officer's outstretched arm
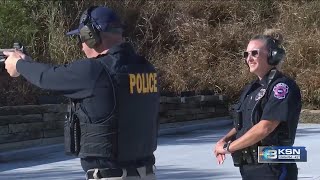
[
  {"x": 67, "y": 79},
  {"x": 254, "y": 135}
]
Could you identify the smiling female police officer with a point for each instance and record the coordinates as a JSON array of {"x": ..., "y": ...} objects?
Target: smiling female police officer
[
  {"x": 268, "y": 112},
  {"x": 115, "y": 99}
]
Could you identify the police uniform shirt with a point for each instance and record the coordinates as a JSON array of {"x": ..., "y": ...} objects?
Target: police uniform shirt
[{"x": 282, "y": 103}]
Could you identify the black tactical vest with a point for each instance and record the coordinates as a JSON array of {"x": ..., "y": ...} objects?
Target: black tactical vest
[{"x": 131, "y": 130}]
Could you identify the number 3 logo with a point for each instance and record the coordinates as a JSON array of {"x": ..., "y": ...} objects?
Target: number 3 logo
[{"x": 272, "y": 154}]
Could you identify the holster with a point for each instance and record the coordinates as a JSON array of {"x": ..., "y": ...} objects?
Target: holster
[
  {"x": 72, "y": 135},
  {"x": 237, "y": 158}
]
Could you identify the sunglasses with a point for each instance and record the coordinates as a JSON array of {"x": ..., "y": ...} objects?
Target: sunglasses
[{"x": 254, "y": 53}]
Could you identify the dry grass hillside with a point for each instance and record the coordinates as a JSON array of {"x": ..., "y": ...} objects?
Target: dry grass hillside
[{"x": 195, "y": 45}]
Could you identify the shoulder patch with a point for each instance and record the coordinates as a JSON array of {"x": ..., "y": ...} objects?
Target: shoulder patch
[{"x": 280, "y": 90}]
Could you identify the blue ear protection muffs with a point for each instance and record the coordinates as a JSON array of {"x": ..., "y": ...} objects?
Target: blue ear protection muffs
[
  {"x": 90, "y": 32},
  {"x": 275, "y": 55}
]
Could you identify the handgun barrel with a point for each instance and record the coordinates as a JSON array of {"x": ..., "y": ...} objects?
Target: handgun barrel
[{"x": 1, "y": 50}]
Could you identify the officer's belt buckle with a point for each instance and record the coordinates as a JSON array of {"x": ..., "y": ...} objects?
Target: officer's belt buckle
[{"x": 105, "y": 173}]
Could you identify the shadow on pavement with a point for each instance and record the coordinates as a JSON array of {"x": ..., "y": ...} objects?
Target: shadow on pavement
[
  {"x": 174, "y": 173},
  {"x": 37, "y": 160},
  {"x": 186, "y": 138},
  {"x": 48, "y": 174},
  {"x": 194, "y": 137}
]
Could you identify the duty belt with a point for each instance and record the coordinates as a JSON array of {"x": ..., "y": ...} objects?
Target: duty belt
[
  {"x": 249, "y": 156},
  {"x": 108, "y": 173},
  {"x": 246, "y": 156}
]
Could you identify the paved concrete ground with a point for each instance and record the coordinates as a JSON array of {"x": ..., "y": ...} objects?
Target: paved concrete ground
[{"x": 182, "y": 155}]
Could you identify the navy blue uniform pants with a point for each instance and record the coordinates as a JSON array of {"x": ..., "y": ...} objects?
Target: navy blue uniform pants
[{"x": 285, "y": 171}]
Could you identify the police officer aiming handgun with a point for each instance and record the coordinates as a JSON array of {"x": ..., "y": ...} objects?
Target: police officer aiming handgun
[
  {"x": 112, "y": 125},
  {"x": 267, "y": 113}
]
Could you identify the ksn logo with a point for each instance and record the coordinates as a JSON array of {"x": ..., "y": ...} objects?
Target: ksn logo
[{"x": 281, "y": 154}]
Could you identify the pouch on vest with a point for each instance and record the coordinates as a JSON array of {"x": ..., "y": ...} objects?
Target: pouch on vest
[
  {"x": 237, "y": 122},
  {"x": 72, "y": 135}
]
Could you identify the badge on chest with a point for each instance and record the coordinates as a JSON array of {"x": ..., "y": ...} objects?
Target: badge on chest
[{"x": 260, "y": 94}]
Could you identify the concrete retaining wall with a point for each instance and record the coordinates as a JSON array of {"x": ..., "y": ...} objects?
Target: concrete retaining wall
[
  {"x": 310, "y": 116},
  {"x": 32, "y": 125}
]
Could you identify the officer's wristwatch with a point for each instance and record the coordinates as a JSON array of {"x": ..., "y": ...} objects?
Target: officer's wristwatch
[{"x": 226, "y": 146}]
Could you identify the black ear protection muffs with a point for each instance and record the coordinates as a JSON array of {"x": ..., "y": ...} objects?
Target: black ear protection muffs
[
  {"x": 275, "y": 55},
  {"x": 90, "y": 32}
]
